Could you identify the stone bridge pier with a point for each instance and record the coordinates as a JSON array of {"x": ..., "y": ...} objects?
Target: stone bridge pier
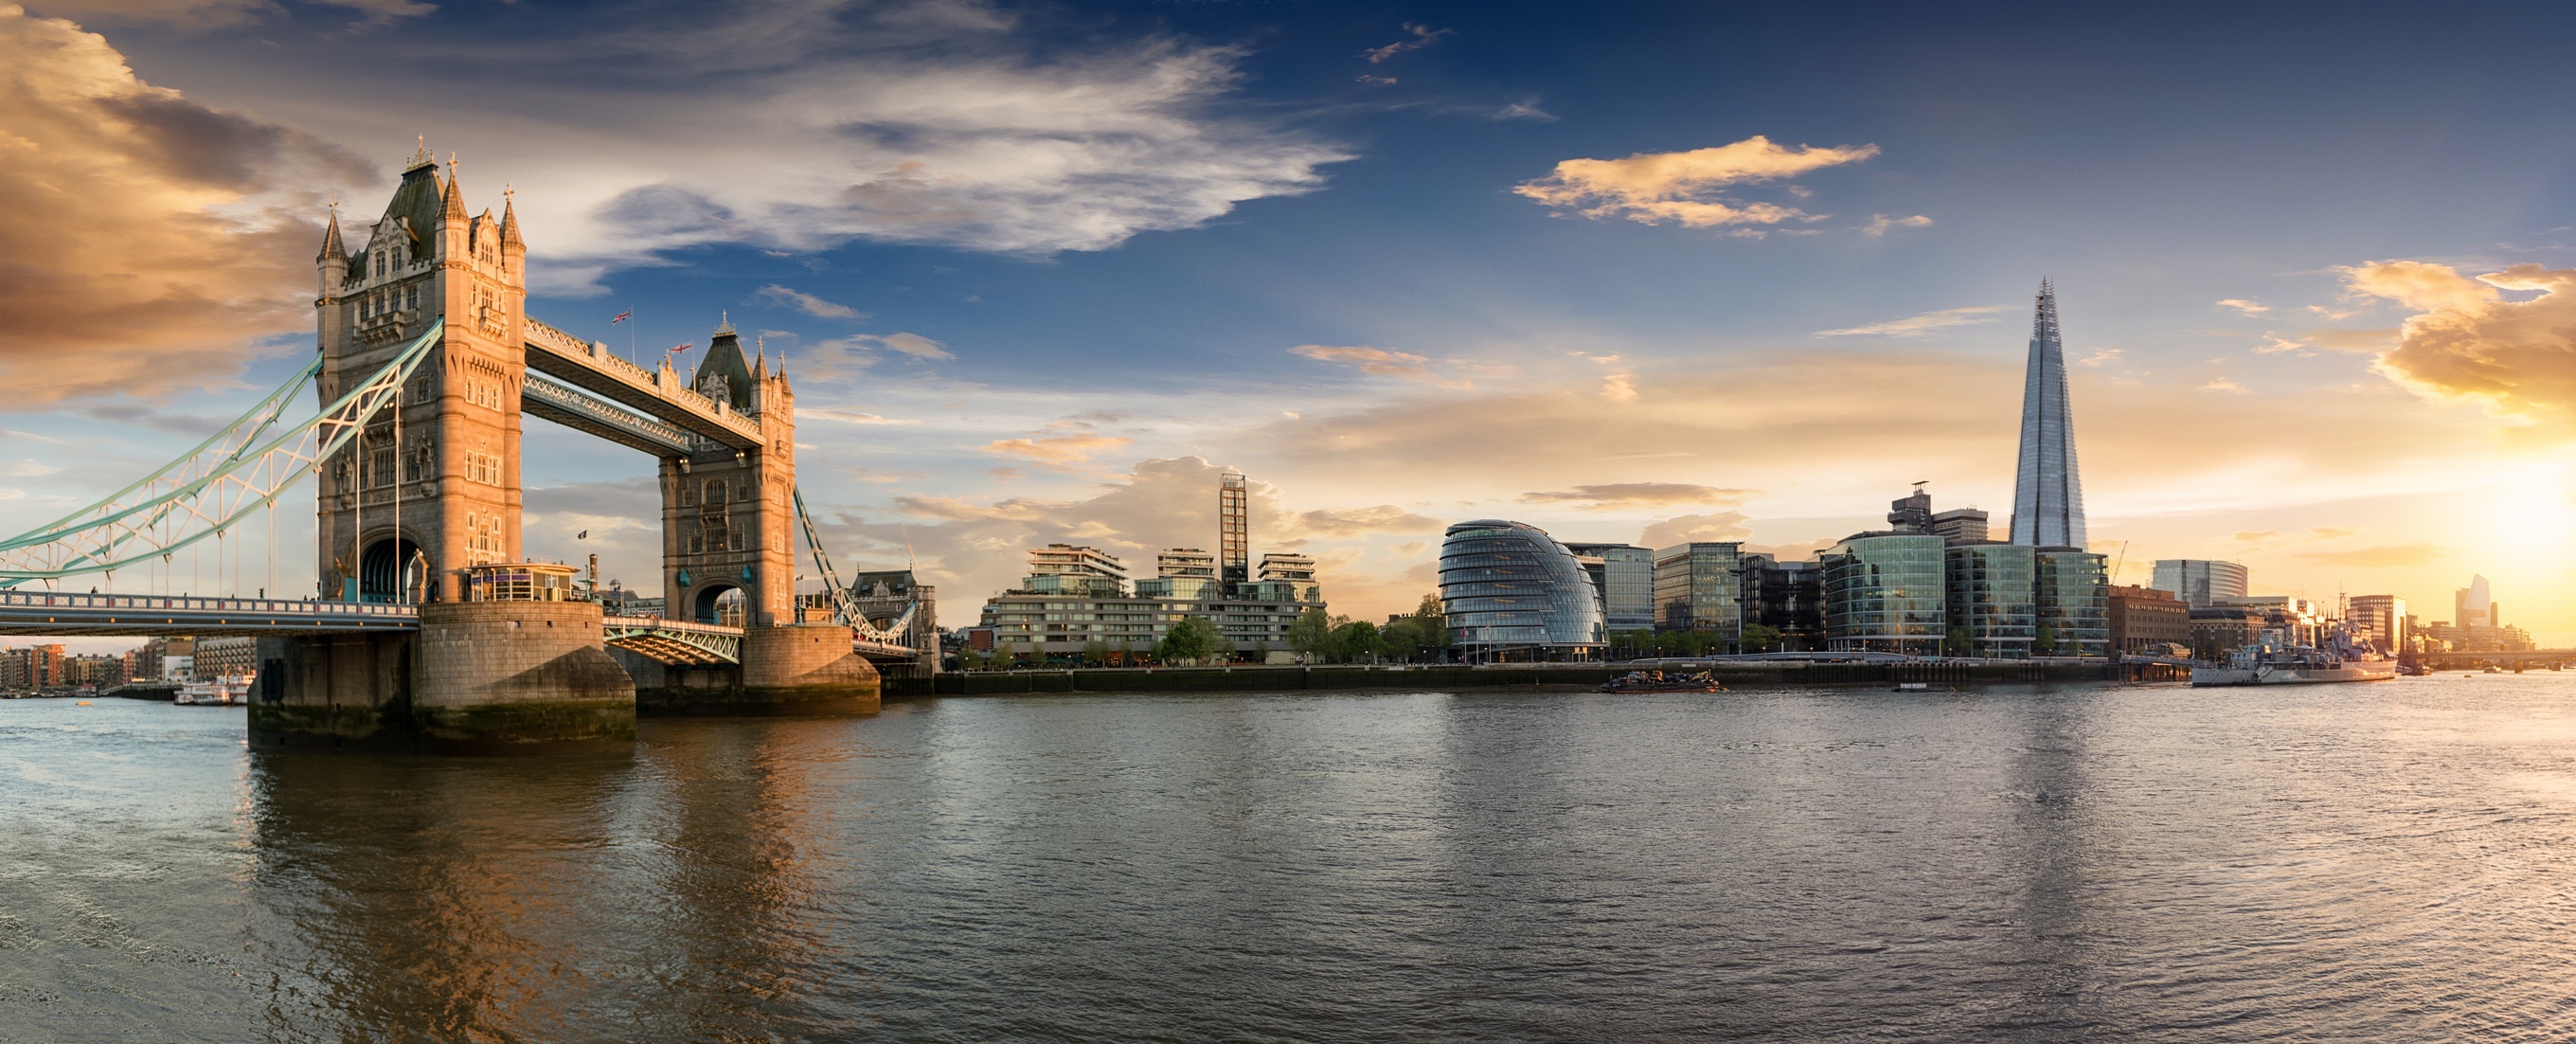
[{"x": 478, "y": 677}]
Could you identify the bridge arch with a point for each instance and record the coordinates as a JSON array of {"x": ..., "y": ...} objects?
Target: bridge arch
[
  {"x": 718, "y": 603},
  {"x": 391, "y": 570}
]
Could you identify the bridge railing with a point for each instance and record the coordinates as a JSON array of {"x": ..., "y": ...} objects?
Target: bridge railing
[{"x": 275, "y": 606}]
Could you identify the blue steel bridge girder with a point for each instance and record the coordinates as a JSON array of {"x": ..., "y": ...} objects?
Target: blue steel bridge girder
[
  {"x": 563, "y": 404},
  {"x": 205, "y": 492}
]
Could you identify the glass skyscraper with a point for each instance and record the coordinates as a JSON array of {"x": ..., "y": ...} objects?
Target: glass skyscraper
[
  {"x": 1512, "y": 592},
  {"x": 2048, "y": 494}
]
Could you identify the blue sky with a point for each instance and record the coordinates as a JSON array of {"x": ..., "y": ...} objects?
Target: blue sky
[{"x": 1059, "y": 261}]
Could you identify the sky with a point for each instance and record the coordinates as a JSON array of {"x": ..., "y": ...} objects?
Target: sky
[{"x": 1629, "y": 272}]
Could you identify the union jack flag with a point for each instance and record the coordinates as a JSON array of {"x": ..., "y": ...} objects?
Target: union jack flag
[{"x": 622, "y": 317}]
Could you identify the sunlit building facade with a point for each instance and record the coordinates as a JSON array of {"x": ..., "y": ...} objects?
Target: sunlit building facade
[
  {"x": 2200, "y": 582},
  {"x": 1700, "y": 587},
  {"x": 1512, "y": 593},
  {"x": 1884, "y": 593}
]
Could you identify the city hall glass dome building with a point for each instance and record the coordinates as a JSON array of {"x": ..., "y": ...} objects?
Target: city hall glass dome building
[{"x": 1512, "y": 593}]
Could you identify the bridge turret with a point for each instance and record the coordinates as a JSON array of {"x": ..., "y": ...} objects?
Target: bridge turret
[{"x": 331, "y": 273}]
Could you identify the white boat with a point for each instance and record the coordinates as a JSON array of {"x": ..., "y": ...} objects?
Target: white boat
[
  {"x": 222, "y": 690},
  {"x": 2346, "y": 658}
]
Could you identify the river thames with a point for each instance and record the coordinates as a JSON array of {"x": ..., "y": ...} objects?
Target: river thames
[{"x": 2384, "y": 861}]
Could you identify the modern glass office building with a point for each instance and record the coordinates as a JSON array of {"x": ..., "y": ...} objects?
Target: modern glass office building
[
  {"x": 1788, "y": 597},
  {"x": 1993, "y": 603},
  {"x": 1512, "y": 592},
  {"x": 2073, "y": 596},
  {"x": 1883, "y": 593},
  {"x": 1700, "y": 587},
  {"x": 2200, "y": 581},
  {"x": 1627, "y": 584}
]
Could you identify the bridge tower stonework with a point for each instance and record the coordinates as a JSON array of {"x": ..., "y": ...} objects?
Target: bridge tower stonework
[
  {"x": 729, "y": 515},
  {"x": 430, "y": 489}
]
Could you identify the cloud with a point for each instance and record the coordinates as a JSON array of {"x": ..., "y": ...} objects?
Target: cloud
[
  {"x": 1685, "y": 529},
  {"x": 217, "y": 14},
  {"x": 1639, "y": 494},
  {"x": 914, "y": 345},
  {"x": 1381, "y": 81},
  {"x": 2274, "y": 344},
  {"x": 147, "y": 242},
  {"x": 1682, "y": 187},
  {"x": 1918, "y": 325},
  {"x": 2369, "y": 341},
  {"x": 1423, "y": 36},
  {"x": 2101, "y": 357},
  {"x": 1379, "y": 361},
  {"x": 808, "y": 303},
  {"x": 28, "y": 468},
  {"x": 853, "y": 417},
  {"x": 2392, "y": 556},
  {"x": 935, "y": 122},
  {"x": 2222, "y": 384},
  {"x": 1344, "y": 522},
  {"x": 1078, "y": 444},
  {"x": 839, "y": 357},
  {"x": 1879, "y": 224},
  {"x": 2468, "y": 342},
  {"x": 2244, "y": 306},
  {"x": 1523, "y": 110}
]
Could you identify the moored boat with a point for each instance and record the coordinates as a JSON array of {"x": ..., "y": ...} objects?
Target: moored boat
[
  {"x": 1658, "y": 681},
  {"x": 2346, "y": 658},
  {"x": 222, "y": 690}
]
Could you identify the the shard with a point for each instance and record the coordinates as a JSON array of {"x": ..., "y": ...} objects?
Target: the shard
[{"x": 2048, "y": 496}]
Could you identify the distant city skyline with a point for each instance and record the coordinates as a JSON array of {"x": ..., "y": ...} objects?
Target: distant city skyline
[{"x": 1041, "y": 272}]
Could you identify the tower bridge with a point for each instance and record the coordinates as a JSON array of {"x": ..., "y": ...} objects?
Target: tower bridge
[{"x": 426, "y": 363}]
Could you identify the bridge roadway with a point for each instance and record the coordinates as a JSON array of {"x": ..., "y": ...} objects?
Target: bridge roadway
[
  {"x": 70, "y": 615},
  {"x": 40, "y": 613}
]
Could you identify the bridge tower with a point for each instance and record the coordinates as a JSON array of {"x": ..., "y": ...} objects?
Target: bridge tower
[
  {"x": 728, "y": 515},
  {"x": 435, "y": 482}
]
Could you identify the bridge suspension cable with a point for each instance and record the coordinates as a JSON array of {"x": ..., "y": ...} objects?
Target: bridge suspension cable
[
  {"x": 203, "y": 493},
  {"x": 845, "y": 602}
]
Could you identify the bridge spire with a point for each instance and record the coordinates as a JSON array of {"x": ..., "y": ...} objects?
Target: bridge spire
[
  {"x": 510, "y": 218},
  {"x": 451, "y": 202},
  {"x": 332, "y": 250}
]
